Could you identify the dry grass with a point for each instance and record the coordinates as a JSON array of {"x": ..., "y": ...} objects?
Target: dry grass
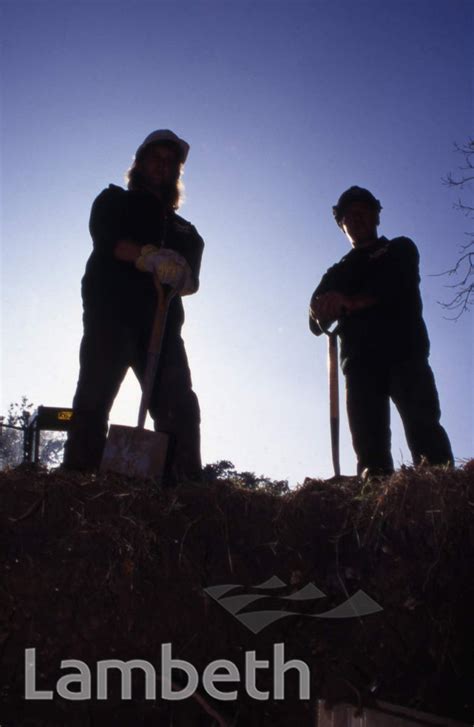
[{"x": 101, "y": 567}]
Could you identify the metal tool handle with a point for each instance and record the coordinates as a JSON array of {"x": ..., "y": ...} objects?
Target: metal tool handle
[{"x": 165, "y": 296}]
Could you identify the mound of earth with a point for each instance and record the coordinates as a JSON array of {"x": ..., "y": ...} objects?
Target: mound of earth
[{"x": 366, "y": 590}]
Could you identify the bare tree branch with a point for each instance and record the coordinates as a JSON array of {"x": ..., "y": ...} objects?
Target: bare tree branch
[{"x": 464, "y": 266}]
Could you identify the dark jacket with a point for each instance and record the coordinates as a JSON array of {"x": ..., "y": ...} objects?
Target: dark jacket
[
  {"x": 393, "y": 329},
  {"x": 111, "y": 287}
]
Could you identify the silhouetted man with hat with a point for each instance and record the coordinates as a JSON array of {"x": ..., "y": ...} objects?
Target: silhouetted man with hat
[
  {"x": 137, "y": 235},
  {"x": 373, "y": 293}
]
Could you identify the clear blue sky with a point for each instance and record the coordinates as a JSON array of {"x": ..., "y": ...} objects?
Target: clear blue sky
[{"x": 285, "y": 105}]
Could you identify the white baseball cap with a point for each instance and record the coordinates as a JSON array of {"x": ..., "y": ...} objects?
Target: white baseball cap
[{"x": 163, "y": 135}]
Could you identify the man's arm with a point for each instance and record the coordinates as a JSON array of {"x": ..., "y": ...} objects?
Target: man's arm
[
  {"x": 318, "y": 310},
  {"x": 127, "y": 251},
  {"x": 325, "y": 308},
  {"x": 190, "y": 245},
  {"x": 169, "y": 266},
  {"x": 328, "y": 307}
]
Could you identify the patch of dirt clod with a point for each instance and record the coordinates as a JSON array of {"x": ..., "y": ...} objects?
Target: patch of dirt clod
[{"x": 102, "y": 567}]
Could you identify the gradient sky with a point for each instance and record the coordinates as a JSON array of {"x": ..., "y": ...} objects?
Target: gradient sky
[{"x": 285, "y": 105}]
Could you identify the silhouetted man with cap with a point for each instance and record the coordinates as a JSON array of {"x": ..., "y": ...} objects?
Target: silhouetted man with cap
[
  {"x": 373, "y": 293},
  {"x": 137, "y": 236}
]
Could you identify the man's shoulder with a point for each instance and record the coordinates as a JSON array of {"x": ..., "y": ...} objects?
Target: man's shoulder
[
  {"x": 398, "y": 246},
  {"x": 111, "y": 194},
  {"x": 401, "y": 242},
  {"x": 183, "y": 226},
  {"x": 401, "y": 247},
  {"x": 113, "y": 190},
  {"x": 182, "y": 222},
  {"x": 345, "y": 260}
]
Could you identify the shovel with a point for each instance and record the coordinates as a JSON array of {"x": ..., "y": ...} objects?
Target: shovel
[{"x": 135, "y": 451}]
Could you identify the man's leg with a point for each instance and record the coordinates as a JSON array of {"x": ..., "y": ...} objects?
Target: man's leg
[
  {"x": 174, "y": 407},
  {"x": 413, "y": 390},
  {"x": 368, "y": 410},
  {"x": 104, "y": 355}
]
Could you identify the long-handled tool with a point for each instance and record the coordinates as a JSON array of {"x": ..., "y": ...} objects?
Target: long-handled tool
[
  {"x": 135, "y": 451},
  {"x": 333, "y": 375}
]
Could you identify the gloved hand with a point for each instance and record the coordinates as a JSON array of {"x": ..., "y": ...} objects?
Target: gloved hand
[
  {"x": 168, "y": 265},
  {"x": 170, "y": 272}
]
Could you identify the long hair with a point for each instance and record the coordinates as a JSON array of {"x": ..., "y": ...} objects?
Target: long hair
[{"x": 173, "y": 195}]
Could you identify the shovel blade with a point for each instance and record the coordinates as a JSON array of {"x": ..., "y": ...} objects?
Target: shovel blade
[{"x": 135, "y": 452}]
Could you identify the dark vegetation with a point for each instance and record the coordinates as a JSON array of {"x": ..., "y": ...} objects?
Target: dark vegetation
[{"x": 98, "y": 567}]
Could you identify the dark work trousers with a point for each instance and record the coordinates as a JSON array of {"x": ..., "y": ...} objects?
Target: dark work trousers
[
  {"x": 108, "y": 348},
  {"x": 411, "y": 386}
]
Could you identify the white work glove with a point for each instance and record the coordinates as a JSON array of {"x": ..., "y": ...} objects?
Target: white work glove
[{"x": 169, "y": 267}]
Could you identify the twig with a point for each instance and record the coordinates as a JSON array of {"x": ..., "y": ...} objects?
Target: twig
[
  {"x": 193, "y": 522},
  {"x": 32, "y": 509}
]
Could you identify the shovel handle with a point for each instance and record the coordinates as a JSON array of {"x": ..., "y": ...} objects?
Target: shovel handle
[
  {"x": 333, "y": 375},
  {"x": 334, "y": 400},
  {"x": 165, "y": 295}
]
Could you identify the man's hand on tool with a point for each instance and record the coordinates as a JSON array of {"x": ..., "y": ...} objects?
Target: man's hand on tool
[
  {"x": 328, "y": 307},
  {"x": 184, "y": 278},
  {"x": 169, "y": 267}
]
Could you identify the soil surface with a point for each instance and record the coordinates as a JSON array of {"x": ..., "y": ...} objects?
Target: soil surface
[{"x": 370, "y": 586}]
